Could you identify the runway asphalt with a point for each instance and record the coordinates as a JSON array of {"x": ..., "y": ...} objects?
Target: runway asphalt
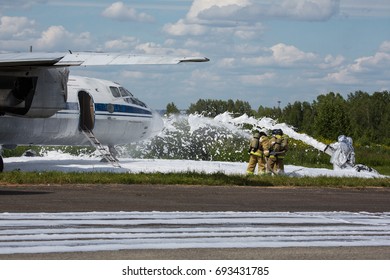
[{"x": 77, "y": 198}]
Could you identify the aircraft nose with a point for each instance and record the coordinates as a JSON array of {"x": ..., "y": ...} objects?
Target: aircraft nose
[{"x": 157, "y": 124}]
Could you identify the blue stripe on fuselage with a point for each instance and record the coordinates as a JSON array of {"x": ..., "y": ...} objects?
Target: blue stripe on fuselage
[{"x": 118, "y": 108}]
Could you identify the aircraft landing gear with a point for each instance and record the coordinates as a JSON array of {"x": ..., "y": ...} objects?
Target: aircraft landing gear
[{"x": 1, "y": 164}]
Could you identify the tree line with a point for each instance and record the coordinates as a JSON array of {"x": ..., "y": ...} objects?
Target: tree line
[{"x": 364, "y": 117}]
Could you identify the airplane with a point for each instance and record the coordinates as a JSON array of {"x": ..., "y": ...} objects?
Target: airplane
[{"x": 41, "y": 104}]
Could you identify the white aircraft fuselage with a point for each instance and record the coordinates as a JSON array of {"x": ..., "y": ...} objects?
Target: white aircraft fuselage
[
  {"x": 40, "y": 104},
  {"x": 113, "y": 114}
]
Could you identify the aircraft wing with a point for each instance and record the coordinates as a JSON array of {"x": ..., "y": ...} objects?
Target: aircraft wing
[{"x": 87, "y": 59}]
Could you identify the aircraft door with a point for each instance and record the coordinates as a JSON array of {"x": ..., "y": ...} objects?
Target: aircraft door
[{"x": 87, "y": 111}]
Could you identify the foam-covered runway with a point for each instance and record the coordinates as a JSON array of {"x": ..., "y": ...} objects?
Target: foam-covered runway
[{"x": 103, "y": 231}]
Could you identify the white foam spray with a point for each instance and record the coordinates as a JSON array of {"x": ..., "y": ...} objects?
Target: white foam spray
[
  {"x": 269, "y": 123},
  {"x": 198, "y": 137}
]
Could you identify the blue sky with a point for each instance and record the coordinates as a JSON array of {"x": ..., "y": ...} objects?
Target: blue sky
[{"x": 261, "y": 51}]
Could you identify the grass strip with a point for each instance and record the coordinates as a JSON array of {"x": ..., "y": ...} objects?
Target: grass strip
[{"x": 184, "y": 178}]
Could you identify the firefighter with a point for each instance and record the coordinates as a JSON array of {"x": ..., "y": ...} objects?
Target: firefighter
[
  {"x": 258, "y": 144},
  {"x": 344, "y": 154},
  {"x": 278, "y": 146}
]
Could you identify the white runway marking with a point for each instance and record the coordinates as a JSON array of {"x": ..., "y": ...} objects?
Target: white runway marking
[{"x": 97, "y": 231}]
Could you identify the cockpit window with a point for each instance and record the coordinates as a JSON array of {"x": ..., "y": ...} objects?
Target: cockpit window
[
  {"x": 124, "y": 92},
  {"x": 115, "y": 92},
  {"x": 127, "y": 96}
]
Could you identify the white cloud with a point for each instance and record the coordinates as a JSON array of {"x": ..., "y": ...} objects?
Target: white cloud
[
  {"x": 364, "y": 69},
  {"x": 249, "y": 49},
  {"x": 16, "y": 27},
  {"x": 123, "y": 43},
  {"x": 132, "y": 74},
  {"x": 365, "y": 9},
  {"x": 58, "y": 38},
  {"x": 199, "y": 75},
  {"x": 152, "y": 48},
  {"x": 258, "y": 80},
  {"x": 331, "y": 62},
  {"x": 368, "y": 63},
  {"x": 200, "y": 6},
  {"x": 248, "y": 31},
  {"x": 20, "y": 3},
  {"x": 194, "y": 24},
  {"x": 307, "y": 10},
  {"x": 227, "y": 62},
  {"x": 182, "y": 28},
  {"x": 342, "y": 77},
  {"x": 52, "y": 37},
  {"x": 385, "y": 47},
  {"x": 119, "y": 11},
  {"x": 310, "y": 10},
  {"x": 241, "y": 18},
  {"x": 18, "y": 33},
  {"x": 169, "y": 42},
  {"x": 287, "y": 55},
  {"x": 281, "y": 55}
]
